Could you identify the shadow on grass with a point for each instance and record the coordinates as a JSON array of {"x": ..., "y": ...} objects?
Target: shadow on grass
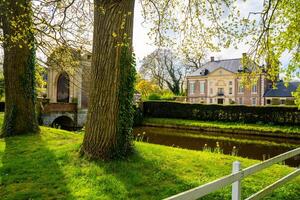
[
  {"x": 30, "y": 171},
  {"x": 141, "y": 178}
]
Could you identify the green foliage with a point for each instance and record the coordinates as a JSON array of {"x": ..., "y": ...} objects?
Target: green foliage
[
  {"x": 138, "y": 116},
  {"x": 145, "y": 87},
  {"x": 124, "y": 137},
  {"x": 154, "y": 96},
  {"x": 2, "y": 86},
  {"x": 167, "y": 95},
  {"x": 39, "y": 79},
  {"x": 64, "y": 58},
  {"x": 28, "y": 79},
  {"x": 227, "y": 113},
  {"x": 297, "y": 96},
  {"x": 47, "y": 166}
]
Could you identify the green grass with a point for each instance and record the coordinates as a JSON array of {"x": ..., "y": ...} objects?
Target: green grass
[
  {"x": 48, "y": 166},
  {"x": 265, "y": 128}
]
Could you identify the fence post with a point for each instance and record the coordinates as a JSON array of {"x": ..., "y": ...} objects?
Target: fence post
[{"x": 236, "y": 186}]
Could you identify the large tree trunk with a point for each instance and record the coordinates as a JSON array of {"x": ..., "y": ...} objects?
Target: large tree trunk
[
  {"x": 19, "y": 61},
  {"x": 112, "y": 23}
]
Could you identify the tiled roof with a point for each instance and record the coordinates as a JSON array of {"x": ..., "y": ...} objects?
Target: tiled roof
[
  {"x": 281, "y": 90},
  {"x": 232, "y": 65}
]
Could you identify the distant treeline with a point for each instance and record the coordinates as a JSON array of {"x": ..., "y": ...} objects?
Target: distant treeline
[{"x": 289, "y": 115}]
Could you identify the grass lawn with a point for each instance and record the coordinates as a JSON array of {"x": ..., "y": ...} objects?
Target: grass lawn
[
  {"x": 293, "y": 130},
  {"x": 47, "y": 166}
]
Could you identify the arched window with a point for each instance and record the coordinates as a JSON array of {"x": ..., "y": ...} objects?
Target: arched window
[{"x": 63, "y": 84}]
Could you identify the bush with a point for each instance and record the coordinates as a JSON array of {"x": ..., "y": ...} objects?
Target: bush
[
  {"x": 138, "y": 116},
  {"x": 167, "y": 96},
  {"x": 231, "y": 113},
  {"x": 154, "y": 96}
]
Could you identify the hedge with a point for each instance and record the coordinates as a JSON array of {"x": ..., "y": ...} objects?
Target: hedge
[{"x": 231, "y": 113}]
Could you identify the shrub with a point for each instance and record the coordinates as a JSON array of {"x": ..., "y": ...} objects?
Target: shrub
[
  {"x": 232, "y": 113},
  {"x": 167, "y": 96},
  {"x": 138, "y": 116},
  {"x": 154, "y": 96}
]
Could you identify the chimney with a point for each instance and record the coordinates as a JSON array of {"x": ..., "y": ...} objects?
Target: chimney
[{"x": 212, "y": 59}]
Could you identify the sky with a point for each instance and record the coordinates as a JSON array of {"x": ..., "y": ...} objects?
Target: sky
[{"x": 143, "y": 45}]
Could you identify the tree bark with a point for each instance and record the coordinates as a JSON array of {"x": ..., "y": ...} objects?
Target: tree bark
[
  {"x": 113, "y": 21},
  {"x": 19, "y": 63}
]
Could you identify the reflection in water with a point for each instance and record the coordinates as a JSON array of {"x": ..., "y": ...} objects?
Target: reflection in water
[{"x": 253, "y": 147}]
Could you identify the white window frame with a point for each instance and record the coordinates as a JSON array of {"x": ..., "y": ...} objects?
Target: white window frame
[
  {"x": 254, "y": 86},
  {"x": 192, "y": 83}
]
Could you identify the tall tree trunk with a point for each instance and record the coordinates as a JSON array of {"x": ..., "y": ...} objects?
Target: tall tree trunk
[
  {"x": 19, "y": 62},
  {"x": 113, "y": 27}
]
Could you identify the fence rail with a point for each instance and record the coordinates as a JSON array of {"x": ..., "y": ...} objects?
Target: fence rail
[{"x": 236, "y": 177}]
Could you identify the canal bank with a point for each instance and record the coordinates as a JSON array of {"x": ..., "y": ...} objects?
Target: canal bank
[
  {"x": 248, "y": 146},
  {"x": 266, "y": 130}
]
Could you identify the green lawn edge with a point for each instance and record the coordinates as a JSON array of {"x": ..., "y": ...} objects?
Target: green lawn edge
[
  {"x": 48, "y": 166},
  {"x": 228, "y": 127}
]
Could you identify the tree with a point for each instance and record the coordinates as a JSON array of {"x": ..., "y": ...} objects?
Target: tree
[
  {"x": 146, "y": 88},
  {"x": 166, "y": 69},
  {"x": 275, "y": 33},
  {"x": 110, "y": 114},
  {"x": 27, "y": 26},
  {"x": 19, "y": 68}
]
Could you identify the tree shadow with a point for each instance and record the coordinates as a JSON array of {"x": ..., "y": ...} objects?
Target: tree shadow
[
  {"x": 141, "y": 178},
  {"x": 30, "y": 171}
]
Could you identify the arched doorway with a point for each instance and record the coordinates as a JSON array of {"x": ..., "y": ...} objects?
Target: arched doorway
[
  {"x": 64, "y": 122},
  {"x": 63, "y": 85}
]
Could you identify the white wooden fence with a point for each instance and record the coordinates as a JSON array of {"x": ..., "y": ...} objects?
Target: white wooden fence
[{"x": 236, "y": 177}]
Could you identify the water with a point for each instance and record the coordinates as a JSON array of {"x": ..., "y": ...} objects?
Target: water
[{"x": 253, "y": 147}]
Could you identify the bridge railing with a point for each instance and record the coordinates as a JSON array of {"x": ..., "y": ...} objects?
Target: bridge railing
[{"x": 236, "y": 177}]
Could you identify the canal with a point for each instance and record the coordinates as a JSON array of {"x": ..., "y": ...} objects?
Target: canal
[{"x": 253, "y": 147}]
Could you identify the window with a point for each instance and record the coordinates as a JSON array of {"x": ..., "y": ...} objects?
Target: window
[
  {"x": 192, "y": 88},
  {"x": 254, "y": 88},
  {"x": 202, "y": 87},
  {"x": 241, "y": 101},
  {"x": 253, "y": 101},
  {"x": 210, "y": 100},
  {"x": 241, "y": 88},
  {"x": 282, "y": 101},
  {"x": 230, "y": 82},
  {"x": 220, "y": 91},
  {"x": 211, "y": 91},
  {"x": 268, "y": 101},
  {"x": 230, "y": 90}
]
